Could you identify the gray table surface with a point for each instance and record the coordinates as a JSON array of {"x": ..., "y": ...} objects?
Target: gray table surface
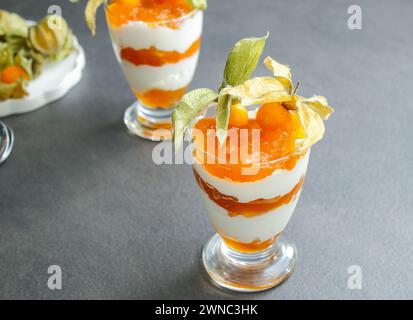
[{"x": 81, "y": 193}]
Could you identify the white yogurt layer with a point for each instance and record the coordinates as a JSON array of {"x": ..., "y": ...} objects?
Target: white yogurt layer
[
  {"x": 167, "y": 77},
  {"x": 279, "y": 183},
  {"x": 140, "y": 35},
  {"x": 261, "y": 227}
]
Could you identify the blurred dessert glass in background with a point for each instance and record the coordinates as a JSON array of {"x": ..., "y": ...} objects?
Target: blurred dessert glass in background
[{"x": 157, "y": 44}]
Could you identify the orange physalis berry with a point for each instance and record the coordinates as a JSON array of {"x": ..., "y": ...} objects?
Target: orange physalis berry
[
  {"x": 238, "y": 116},
  {"x": 273, "y": 115},
  {"x": 13, "y": 73}
]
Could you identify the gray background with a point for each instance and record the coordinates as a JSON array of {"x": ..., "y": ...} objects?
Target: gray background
[{"x": 79, "y": 192}]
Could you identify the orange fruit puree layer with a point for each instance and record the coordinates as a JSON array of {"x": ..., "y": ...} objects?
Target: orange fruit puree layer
[
  {"x": 120, "y": 12},
  {"x": 157, "y": 98},
  {"x": 157, "y": 58},
  {"x": 247, "y": 209},
  {"x": 251, "y": 247},
  {"x": 276, "y": 143}
]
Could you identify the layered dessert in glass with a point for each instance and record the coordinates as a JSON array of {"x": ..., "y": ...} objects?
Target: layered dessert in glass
[
  {"x": 157, "y": 44},
  {"x": 249, "y": 201},
  {"x": 249, "y": 211},
  {"x": 251, "y": 144}
]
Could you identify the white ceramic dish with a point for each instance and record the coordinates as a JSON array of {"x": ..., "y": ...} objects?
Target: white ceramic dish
[{"x": 56, "y": 79}]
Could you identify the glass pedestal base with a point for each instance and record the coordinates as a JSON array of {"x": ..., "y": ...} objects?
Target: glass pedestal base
[
  {"x": 149, "y": 123},
  {"x": 6, "y": 142},
  {"x": 248, "y": 272}
]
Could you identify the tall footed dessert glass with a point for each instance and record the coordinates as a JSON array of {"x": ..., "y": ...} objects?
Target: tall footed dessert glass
[
  {"x": 251, "y": 146},
  {"x": 250, "y": 198},
  {"x": 157, "y": 44}
]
